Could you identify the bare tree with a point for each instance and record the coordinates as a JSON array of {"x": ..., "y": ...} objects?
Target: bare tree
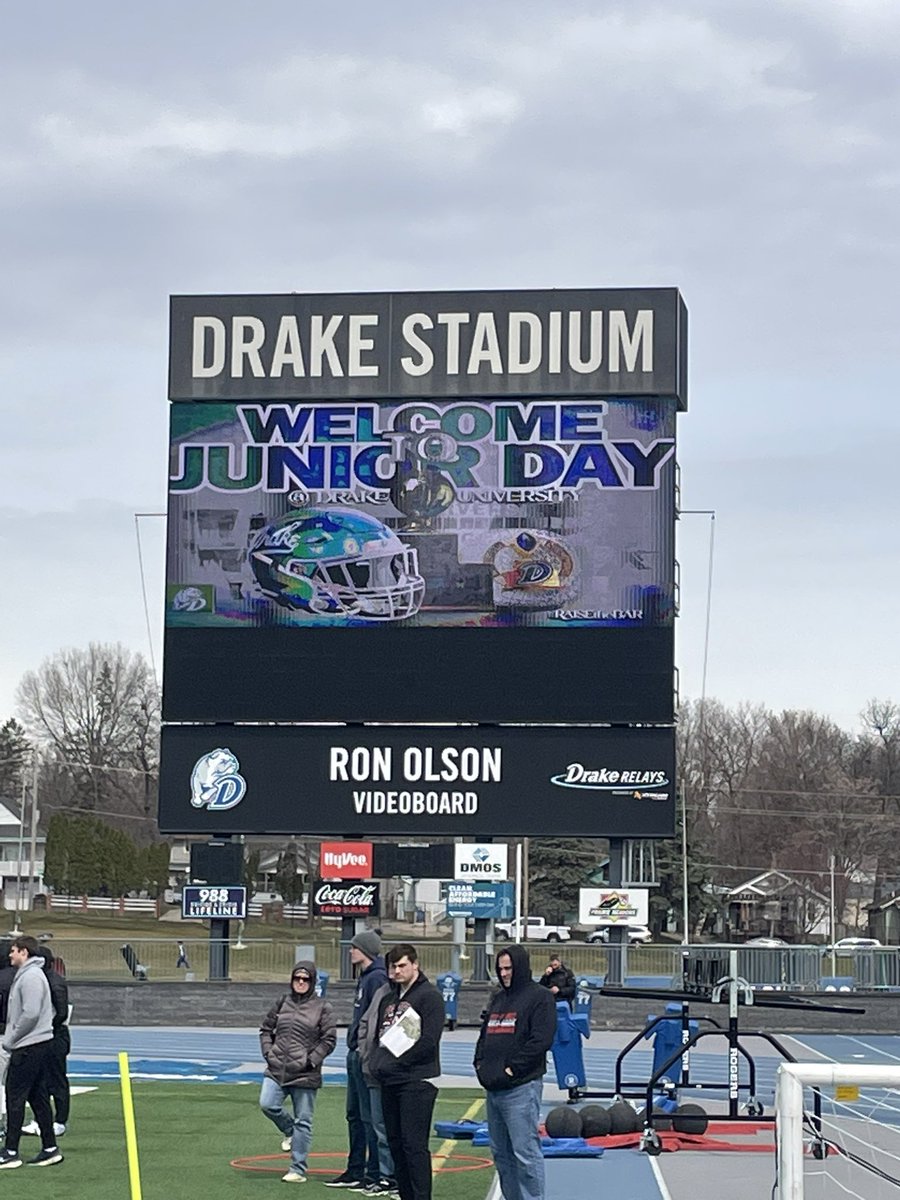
[
  {"x": 880, "y": 748},
  {"x": 95, "y": 714}
]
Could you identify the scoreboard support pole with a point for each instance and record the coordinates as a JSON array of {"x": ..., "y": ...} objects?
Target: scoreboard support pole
[{"x": 219, "y": 933}]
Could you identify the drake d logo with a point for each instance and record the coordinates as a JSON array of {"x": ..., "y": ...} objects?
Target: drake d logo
[{"x": 216, "y": 783}]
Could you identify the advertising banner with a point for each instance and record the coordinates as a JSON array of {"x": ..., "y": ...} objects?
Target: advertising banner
[
  {"x": 330, "y": 899},
  {"x": 487, "y": 861},
  {"x": 215, "y": 903},
  {"x": 467, "y": 781},
  {"x": 346, "y": 860},
  {"x": 613, "y": 906},
  {"x": 494, "y": 901}
]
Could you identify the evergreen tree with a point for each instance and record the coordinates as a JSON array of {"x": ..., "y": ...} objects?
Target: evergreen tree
[
  {"x": 557, "y": 869},
  {"x": 15, "y": 751},
  {"x": 251, "y": 869},
  {"x": 288, "y": 879},
  {"x": 153, "y": 868}
]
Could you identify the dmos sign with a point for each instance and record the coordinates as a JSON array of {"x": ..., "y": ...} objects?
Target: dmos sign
[{"x": 423, "y": 507}]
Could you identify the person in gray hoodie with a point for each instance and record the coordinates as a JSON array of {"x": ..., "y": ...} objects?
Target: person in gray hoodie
[{"x": 28, "y": 1038}]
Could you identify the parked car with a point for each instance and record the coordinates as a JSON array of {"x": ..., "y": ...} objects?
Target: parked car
[
  {"x": 771, "y": 942},
  {"x": 638, "y": 935},
  {"x": 856, "y": 943},
  {"x": 536, "y": 929}
]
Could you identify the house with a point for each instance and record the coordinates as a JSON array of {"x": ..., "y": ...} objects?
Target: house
[
  {"x": 778, "y": 905},
  {"x": 884, "y": 921},
  {"x": 21, "y": 870}
]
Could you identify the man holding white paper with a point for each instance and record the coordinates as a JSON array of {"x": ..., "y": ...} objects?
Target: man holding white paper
[{"x": 405, "y": 1060}]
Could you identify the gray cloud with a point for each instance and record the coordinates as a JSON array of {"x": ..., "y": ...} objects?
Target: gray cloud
[{"x": 746, "y": 153}]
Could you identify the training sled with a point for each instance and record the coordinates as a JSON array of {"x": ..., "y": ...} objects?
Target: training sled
[{"x": 703, "y": 982}]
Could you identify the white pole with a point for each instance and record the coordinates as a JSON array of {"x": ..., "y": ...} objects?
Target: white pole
[
  {"x": 789, "y": 1135},
  {"x": 685, "y": 906},
  {"x": 32, "y": 850},
  {"x": 790, "y": 1080},
  {"x": 518, "y": 916},
  {"x": 831, "y": 916},
  {"x": 525, "y": 849},
  {"x": 711, "y": 513},
  {"x": 24, "y": 793}
]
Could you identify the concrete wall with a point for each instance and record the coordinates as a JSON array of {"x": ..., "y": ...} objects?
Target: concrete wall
[{"x": 245, "y": 1004}]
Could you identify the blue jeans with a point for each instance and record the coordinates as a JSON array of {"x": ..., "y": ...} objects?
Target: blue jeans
[
  {"x": 272, "y": 1098},
  {"x": 513, "y": 1118},
  {"x": 385, "y": 1158},
  {"x": 362, "y": 1161}
]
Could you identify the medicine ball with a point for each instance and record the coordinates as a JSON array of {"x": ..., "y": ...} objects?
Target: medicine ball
[
  {"x": 595, "y": 1121},
  {"x": 662, "y": 1121},
  {"x": 623, "y": 1118},
  {"x": 690, "y": 1118},
  {"x": 563, "y": 1122}
]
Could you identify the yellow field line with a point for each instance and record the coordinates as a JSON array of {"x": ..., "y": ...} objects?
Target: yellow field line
[
  {"x": 131, "y": 1148},
  {"x": 446, "y": 1148}
]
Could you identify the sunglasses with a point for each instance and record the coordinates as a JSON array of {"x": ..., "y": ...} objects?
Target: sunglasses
[{"x": 301, "y": 978}]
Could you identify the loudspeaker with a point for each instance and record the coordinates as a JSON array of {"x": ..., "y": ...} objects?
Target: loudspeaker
[{"x": 220, "y": 864}]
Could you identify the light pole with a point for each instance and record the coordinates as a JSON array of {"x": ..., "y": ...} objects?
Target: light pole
[
  {"x": 685, "y": 904},
  {"x": 831, "y": 913}
]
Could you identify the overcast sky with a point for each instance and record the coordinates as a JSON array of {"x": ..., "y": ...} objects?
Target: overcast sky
[{"x": 746, "y": 153}]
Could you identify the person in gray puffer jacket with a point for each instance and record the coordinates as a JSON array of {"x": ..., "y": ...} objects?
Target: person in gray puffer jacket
[{"x": 296, "y": 1036}]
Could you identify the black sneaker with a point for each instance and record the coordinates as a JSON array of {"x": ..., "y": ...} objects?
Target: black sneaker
[
  {"x": 9, "y": 1158},
  {"x": 364, "y": 1185},
  {"x": 47, "y": 1158},
  {"x": 344, "y": 1181},
  {"x": 381, "y": 1188}
]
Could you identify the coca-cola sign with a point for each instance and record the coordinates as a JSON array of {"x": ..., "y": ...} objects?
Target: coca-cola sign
[{"x": 332, "y": 899}]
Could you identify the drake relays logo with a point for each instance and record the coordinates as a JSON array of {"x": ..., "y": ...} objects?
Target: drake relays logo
[{"x": 606, "y": 779}]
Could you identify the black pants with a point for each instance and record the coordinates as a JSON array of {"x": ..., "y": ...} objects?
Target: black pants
[
  {"x": 407, "y": 1119},
  {"x": 57, "y": 1079},
  {"x": 26, "y": 1081}
]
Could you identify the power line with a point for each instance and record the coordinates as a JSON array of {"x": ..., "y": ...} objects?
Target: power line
[
  {"x": 823, "y": 814},
  {"x": 137, "y": 531}
]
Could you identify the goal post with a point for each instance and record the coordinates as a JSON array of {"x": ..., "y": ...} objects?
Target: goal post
[{"x": 791, "y": 1080}]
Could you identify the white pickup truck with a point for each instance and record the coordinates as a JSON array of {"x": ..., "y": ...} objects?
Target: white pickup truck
[{"x": 536, "y": 929}]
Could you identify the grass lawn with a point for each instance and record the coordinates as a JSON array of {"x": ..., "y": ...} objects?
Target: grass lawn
[{"x": 190, "y": 1134}]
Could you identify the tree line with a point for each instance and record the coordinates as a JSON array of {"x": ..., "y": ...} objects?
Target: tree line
[{"x": 758, "y": 789}]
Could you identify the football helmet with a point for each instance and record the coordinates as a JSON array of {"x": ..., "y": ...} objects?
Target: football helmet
[{"x": 337, "y": 562}]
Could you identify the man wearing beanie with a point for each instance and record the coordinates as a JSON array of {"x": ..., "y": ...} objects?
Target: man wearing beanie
[{"x": 370, "y": 1167}]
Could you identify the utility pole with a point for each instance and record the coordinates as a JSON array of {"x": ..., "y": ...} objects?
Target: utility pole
[{"x": 32, "y": 849}]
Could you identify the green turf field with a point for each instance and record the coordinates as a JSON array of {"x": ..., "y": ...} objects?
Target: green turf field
[{"x": 190, "y": 1134}]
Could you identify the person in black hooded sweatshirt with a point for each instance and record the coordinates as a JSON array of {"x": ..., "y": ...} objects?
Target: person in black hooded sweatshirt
[{"x": 510, "y": 1061}]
